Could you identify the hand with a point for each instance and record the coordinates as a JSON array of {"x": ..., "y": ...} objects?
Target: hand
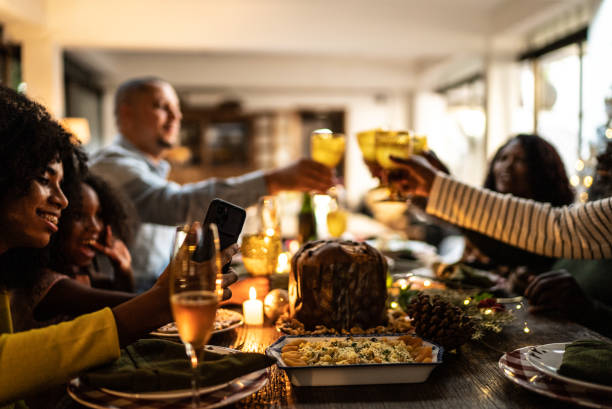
[
  {"x": 558, "y": 291},
  {"x": 414, "y": 175},
  {"x": 304, "y": 175},
  {"x": 116, "y": 251},
  {"x": 240, "y": 290}
]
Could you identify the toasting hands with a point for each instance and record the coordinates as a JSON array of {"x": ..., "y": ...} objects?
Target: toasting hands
[{"x": 303, "y": 175}]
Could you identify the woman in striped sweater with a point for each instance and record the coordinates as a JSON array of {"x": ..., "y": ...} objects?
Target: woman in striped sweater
[{"x": 582, "y": 231}]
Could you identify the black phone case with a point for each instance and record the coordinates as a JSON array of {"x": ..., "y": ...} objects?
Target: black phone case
[{"x": 229, "y": 219}]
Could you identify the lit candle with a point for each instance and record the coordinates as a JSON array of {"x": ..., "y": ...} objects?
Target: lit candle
[
  {"x": 283, "y": 265},
  {"x": 253, "y": 309}
]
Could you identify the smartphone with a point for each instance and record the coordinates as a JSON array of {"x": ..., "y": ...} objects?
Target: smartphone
[{"x": 229, "y": 219}]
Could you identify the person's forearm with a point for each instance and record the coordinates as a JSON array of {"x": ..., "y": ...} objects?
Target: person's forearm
[
  {"x": 582, "y": 231},
  {"x": 171, "y": 204},
  {"x": 142, "y": 314},
  {"x": 34, "y": 360}
]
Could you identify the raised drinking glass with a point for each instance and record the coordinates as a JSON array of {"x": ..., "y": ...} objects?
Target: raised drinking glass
[{"x": 195, "y": 290}]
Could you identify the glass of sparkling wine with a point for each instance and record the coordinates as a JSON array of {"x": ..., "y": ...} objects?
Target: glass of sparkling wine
[{"x": 195, "y": 291}]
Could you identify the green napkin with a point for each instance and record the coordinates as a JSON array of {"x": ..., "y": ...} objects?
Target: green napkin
[
  {"x": 157, "y": 365},
  {"x": 588, "y": 360}
]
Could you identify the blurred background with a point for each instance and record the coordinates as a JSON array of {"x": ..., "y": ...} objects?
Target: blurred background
[{"x": 255, "y": 77}]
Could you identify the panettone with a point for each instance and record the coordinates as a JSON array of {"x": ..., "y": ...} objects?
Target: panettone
[{"x": 339, "y": 284}]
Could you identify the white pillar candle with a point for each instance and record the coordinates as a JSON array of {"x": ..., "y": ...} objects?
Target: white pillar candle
[{"x": 253, "y": 309}]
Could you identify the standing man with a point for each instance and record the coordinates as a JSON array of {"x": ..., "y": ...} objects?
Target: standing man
[{"x": 148, "y": 117}]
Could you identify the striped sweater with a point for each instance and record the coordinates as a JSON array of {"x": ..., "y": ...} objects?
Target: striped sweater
[{"x": 577, "y": 231}]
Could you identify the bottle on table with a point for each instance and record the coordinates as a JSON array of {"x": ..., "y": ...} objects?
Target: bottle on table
[{"x": 307, "y": 226}]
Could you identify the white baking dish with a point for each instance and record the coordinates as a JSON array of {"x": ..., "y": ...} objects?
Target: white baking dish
[{"x": 360, "y": 374}]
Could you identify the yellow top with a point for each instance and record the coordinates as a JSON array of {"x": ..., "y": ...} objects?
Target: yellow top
[{"x": 34, "y": 360}]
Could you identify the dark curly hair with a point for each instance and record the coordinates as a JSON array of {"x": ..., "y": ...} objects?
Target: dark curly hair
[
  {"x": 546, "y": 172},
  {"x": 116, "y": 211},
  {"x": 29, "y": 140}
]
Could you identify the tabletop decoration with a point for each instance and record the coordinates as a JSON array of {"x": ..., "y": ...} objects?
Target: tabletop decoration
[
  {"x": 253, "y": 309},
  {"x": 480, "y": 309},
  {"x": 276, "y": 303}
]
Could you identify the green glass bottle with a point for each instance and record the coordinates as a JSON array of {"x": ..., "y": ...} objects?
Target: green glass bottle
[{"x": 307, "y": 226}]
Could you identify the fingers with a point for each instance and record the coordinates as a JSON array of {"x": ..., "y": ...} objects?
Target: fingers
[
  {"x": 98, "y": 247},
  {"x": 227, "y": 294},
  {"x": 228, "y": 253},
  {"x": 230, "y": 278},
  {"x": 109, "y": 236}
]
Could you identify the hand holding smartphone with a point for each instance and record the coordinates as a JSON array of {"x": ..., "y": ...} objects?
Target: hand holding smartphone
[{"x": 229, "y": 219}]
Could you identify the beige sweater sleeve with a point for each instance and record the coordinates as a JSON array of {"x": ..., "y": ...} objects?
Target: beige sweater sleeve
[{"x": 579, "y": 231}]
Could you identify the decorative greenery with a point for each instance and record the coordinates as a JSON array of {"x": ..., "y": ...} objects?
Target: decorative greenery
[{"x": 486, "y": 314}]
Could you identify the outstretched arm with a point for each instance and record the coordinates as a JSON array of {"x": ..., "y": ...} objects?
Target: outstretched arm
[{"x": 578, "y": 231}]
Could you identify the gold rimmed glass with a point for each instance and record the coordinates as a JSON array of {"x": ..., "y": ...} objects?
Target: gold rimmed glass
[{"x": 195, "y": 291}]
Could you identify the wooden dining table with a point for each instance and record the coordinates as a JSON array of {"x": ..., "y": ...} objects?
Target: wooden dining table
[{"x": 469, "y": 378}]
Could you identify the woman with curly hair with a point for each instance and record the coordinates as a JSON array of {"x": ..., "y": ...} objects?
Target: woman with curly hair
[
  {"x": 525, "y": 166},
  {"x": 62, "y": 288},
  {"x": 39, "y": 168}
]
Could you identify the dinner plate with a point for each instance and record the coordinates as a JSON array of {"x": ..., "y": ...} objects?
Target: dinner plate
[
  {"x": 548, "y": 358},
  {"x": 515, "y": 366},
  {"x": 210, "y": 397},
  {"x": 170, "y": 331}
]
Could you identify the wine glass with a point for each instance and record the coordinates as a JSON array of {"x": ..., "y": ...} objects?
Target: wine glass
[
  {"x": 261, "y": 238},
  {"x": 392, "y": 143},
  {"x": 195, "y": 291},
  {"x": 328, "y": 148}
]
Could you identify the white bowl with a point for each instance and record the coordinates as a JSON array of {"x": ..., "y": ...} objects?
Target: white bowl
[{"x": 359, "y": 374}]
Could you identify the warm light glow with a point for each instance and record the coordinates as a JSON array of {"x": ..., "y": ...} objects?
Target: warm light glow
[
  {"x": 579, "y": 165},
  {"x": 294, "y": 246},
  {"x": 270, "y": 232},
  {"x": 488, "y": 311},
  {"x": 283, "y": 265},
  {"x": 574, "y": 180},
  {"x": 394, "y": 305},
  {"x": 526, "y": 330},
  {"x": 466, "y": 301},
  {"x": 584, "y": 197},
  {"x": 412, "y": 278},
  {"x": 79, "y": 127},
  {"x": 427, "y": 283},
  {"x": 609, "y": 133},
  {"x": 403, "y": 284},
  {"x": 252, "y": 309},
  {"x": 518, "y": 307},
  {"x": 587, "y": 181}
]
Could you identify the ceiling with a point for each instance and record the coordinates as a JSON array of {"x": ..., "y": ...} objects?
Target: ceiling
[{"x": 403, "y": 37}]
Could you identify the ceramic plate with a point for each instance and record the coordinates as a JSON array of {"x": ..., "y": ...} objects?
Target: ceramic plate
[
  {"x": 211, "y": 397},
  {"x": 515, "y": 366},
  {"x": 359, "y": 374},
  {"x": 226, "y": 320},
  {"x": 547, "y": 358}
]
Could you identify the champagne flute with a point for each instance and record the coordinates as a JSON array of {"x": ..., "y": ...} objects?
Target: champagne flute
[{"x": 195, "y": 290}]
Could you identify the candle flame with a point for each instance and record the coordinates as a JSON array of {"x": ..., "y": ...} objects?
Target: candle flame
[
  {"x": 426, "y": 283},
  {"x": 282, "y": 265},
  {"x": 252, "y": 293},
  {"x": 270, "y": 232}
]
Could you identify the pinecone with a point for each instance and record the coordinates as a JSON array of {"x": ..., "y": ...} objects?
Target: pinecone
[{"x": 439, "y": 321}]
